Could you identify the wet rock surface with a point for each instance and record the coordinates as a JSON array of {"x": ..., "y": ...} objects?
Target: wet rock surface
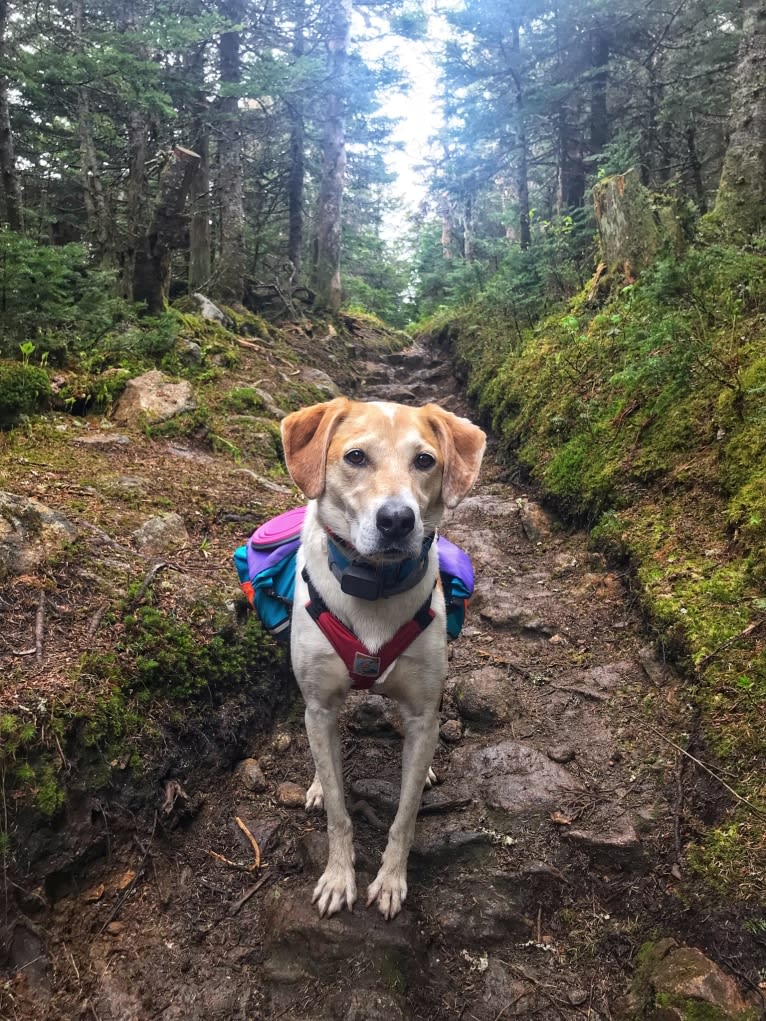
[{"x": 549, "y": 833}]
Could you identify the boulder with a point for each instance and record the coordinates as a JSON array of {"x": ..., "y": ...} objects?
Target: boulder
[
  {"x": 162, "y": 532},
  {"x": 674, "y": 982},
  {"x": 207, "y": 309},
  {"x": 483, "y": 696},
  {"x": 153, "y": 397},
  {"x": 29, "y": 532}
]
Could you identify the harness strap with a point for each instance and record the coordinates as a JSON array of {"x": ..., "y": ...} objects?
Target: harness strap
[{"x": 363, "y": 667}]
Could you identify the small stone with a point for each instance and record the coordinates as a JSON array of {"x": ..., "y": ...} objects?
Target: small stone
[
  {"x": 534, "y": 521},
  {"x": 291, "y": 795},
  {"x": 577, "y": 997},
  {"x": 560, "y": 753},
  {"x": 557, "y": 639},
  {"x": 281, "y": 743},
  {"x": 451, "y": 731},
  {"x": 482, "y": 697},
  {"x": 103, "y": 439},
  {"x": 115, "y": 928},
  {"x": 250, "y": 776},
  {"x": 94, "y": 894},
  {"x": 162, "y": 532}
]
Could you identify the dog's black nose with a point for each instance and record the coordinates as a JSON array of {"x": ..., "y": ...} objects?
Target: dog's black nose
[{"x": 395, "y": 521}]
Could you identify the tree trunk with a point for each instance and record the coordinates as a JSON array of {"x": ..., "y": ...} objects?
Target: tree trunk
[
  {"x": 695, "y": 168},
  {"x": 570, "y": 191},
  {"x": 599, "y": 117},
  {"x": 166, "y": 231},
  {"x": 199, "y": 193},
  {"x": 326, "y": 281},
  {"x": 99, "y": 220},
  {"x": 229, "y": 273},
  {"x": 522, "y": 158},
  {"x": 741, "y": 199},
  {"x": 295, "y": 183},
  {"x": 14, "y": 206}
]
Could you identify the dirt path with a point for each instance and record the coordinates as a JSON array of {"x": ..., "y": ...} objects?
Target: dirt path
[{"x": 541, "y": 858}]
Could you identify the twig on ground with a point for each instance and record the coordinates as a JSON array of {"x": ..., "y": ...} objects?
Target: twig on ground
[
  {"x": 744, "y": 633},
  {"x": 40, "y": 627},
  {"x": 253, "y": 843},
  {"x": 148, "y": 579},
  {"x": 249, "y": 892},
  {"x": 95, "y": 620},
  {"x": 753, "y": 808}
]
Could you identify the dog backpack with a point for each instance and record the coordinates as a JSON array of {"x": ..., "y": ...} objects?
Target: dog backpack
[{"x": 266, "y": 569}]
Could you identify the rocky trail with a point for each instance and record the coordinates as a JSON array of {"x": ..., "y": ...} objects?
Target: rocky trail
[{"x": 547, "y": 854}]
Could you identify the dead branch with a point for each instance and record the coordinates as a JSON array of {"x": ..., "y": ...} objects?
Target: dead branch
[{"x": 40, "y": 627}]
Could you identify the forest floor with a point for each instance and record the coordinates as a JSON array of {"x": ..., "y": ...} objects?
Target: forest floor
[{"x": 548, "y": 853}]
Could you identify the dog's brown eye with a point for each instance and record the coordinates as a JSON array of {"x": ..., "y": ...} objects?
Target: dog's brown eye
[
  {"x": 425, "y": 461},
  {"x": 355, "y": 457}
]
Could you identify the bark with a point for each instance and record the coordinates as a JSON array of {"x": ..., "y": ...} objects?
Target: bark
[
  {"x": 295, "y": 184},
  {"x": 229, "y": 273},
  {"x": 14, "y": 206},
  {"x": 166, "y": 231},
  {"x": 98, "y": 218},
  {"x": 599, "y": 117},
  {"x": 522, "y": 146},
  {"x": 327, "y": 282},
  {"x": 695, "y": 168},
  {"x": 199, "y": 193},
  {"x": 136, "y": 198},
  {"x": 468, "y": 228},
  {"x": 570, "y": 191},
  {"x": 741, "y": 199}
]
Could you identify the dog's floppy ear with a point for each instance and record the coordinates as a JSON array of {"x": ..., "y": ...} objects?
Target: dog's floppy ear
[
  {"x": 306, "y": 435},
  {"x": 462, "y": 445}
]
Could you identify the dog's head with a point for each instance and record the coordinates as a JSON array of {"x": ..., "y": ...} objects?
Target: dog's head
[{"x": 382, "y": 473}]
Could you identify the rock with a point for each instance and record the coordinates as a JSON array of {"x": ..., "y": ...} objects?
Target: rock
[
  {"x": 28, "y": 957},
  {"x": 319, "y": 379},
  {"x": 313, "y": 848},
  {"x": 479, "y": 911},
  {"x": 264, "y": 830},
  {"x": 291, "y": 795},
  {"x": 379, "y": 793},
  {"x": 616, "y": 844},
  {"x": 599, "y": 681},
  {"x": 534, "y": 520},
  {"x": 577, "y": 996},
  {"x": 163, "y": 532},
  {"x": 438, "y": 844},
  {"x": 130, "y": 483},
  {"x": 503, "y": 987},
  {"x": 103, "y": 439},
  {"x": 562, "y": 753},
  {"x": 153, "y": 397},
  {"x": 655, "y": 667},
  {"x": 210, "y": 311},
  {"x": 514, "y": 778},
  {"x": 296, "y": 940},
  {"x": 189, "y": 352},
  {"x": 451, "y": 731},
  {"x": 518, "y": 609},
  {"x": 30, "y": 532},
  {"x": 369, "y": 717},
  {"x": 412, "y": 358},
  {"x": 281, "y": 743},
  {"x": 483, "y": 696},
  {"x": 115, "y": 928},
  {"x": 373, "y": 373},
  {"x": 268, "y": 402},
  {"x": 250, "y": 776},
  {"x": 678, "y": 980}
]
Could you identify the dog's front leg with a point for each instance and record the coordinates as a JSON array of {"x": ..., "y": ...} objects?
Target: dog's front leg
[
  {"x": 389, "y": 888},
  {"x": 337, "y": 885}
]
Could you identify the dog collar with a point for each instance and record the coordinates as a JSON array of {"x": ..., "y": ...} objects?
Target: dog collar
[
  {"x": 366, "y": 579},
  {"x": 364, "y": 668}
]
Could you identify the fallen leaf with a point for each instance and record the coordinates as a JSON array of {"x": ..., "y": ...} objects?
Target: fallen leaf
[{"x": 560, "y": 819}]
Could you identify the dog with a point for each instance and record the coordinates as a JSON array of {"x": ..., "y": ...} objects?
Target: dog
[{"x": 378, "y": 477}]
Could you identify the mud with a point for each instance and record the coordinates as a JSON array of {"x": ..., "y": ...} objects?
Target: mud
[{"x": 545, "y": 856}]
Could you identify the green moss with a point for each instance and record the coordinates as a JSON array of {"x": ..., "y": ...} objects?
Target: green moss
[{"x": 243, "y": 399}]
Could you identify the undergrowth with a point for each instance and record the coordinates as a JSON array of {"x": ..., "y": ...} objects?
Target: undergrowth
[{"x": 644, "y": 417}]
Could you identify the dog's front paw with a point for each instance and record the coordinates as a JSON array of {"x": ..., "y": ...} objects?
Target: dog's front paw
[
  {"x": 315, "y": 796},
  {"x": 336, "y": 887},
  {"x": 389, "y": 889}
]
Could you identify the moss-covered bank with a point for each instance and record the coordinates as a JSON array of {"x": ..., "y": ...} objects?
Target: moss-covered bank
[{"x": 645, "y": 417}]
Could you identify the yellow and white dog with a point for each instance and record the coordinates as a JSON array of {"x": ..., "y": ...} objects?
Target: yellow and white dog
[{"x": 378, "y": 477}]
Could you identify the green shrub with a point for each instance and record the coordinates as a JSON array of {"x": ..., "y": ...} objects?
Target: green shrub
[{"x": 23, "y": 389}]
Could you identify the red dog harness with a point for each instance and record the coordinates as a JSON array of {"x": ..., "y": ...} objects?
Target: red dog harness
[{"x": 363, "y": 667}]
